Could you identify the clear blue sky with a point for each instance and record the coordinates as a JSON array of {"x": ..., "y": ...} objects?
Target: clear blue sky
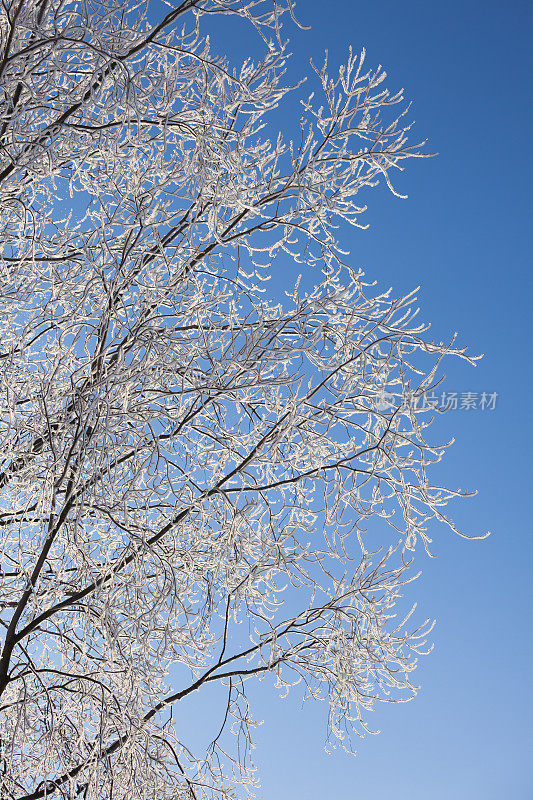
[{"x": 464, "y": 234}]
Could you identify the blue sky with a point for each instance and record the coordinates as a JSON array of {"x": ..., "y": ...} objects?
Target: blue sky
[{"x": 464, "y": 235}]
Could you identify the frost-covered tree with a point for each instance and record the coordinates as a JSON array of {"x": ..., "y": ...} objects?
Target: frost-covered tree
[{"x": 199, "y": 484}]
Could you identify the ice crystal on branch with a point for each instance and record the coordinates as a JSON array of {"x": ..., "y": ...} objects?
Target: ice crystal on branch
[{"x": 180, "y": 453}]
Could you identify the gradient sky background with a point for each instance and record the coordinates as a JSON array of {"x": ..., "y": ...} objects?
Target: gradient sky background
[{"x": 464, "y": 235}]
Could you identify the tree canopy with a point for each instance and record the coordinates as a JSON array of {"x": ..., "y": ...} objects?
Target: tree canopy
[{"x": 200, "y": 482}]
